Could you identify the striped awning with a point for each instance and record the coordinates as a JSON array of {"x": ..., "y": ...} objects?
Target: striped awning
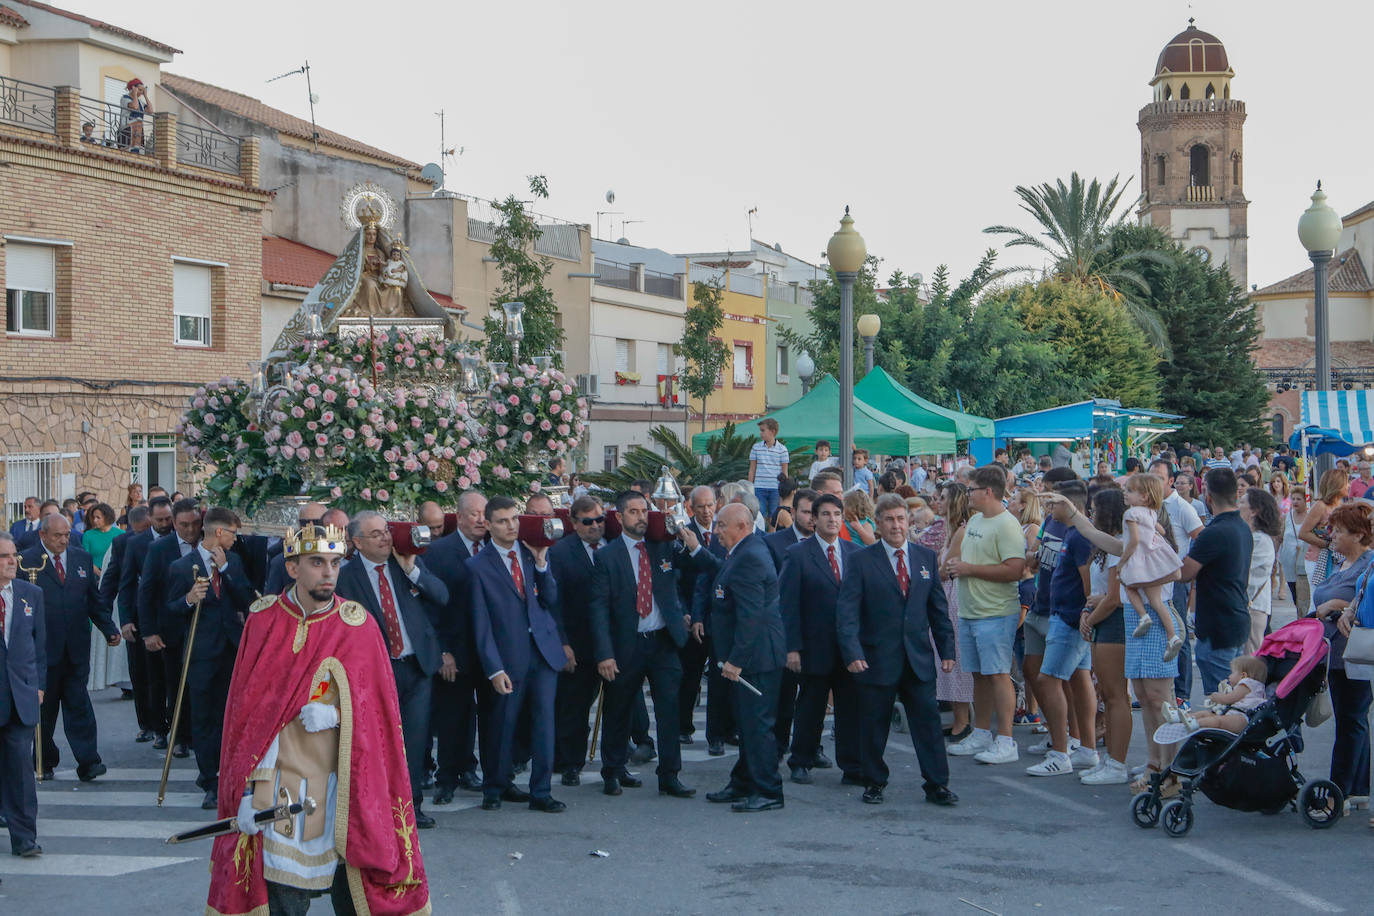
[{"x": 1351, "y": 413}]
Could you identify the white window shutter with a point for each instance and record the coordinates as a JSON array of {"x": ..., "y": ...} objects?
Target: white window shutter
[
  {"x": 29, "y": 267},
  {"x": 191, "y": 290}
]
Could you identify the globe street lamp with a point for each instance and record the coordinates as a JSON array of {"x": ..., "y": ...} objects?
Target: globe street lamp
[
  {"x": 806, "y": 371},
  {"x": 515, "y": 328},
  {"x": 846, "y": 253},
  {"x": 869, "y": 326},
  {"x": 1319, "y": 230}
]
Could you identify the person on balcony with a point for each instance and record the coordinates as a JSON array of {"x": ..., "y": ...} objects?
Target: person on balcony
[{"x": 134, "y": 107}]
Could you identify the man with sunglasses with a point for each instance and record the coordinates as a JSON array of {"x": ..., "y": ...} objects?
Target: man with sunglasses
[{"x": 572, "y": 561}]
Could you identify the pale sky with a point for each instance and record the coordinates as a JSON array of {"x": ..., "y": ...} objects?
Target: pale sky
[{"x": 922, "y": 116}]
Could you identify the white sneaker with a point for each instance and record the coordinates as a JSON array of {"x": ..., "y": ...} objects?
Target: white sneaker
[
  {"x": 973, "y": 744},
  {"x": 999, "y": 752},
  {"x": 1108, "y": 773},
  {"x": 1040, "y": 748},
  {"x": 1054, "y": 764},
  {"x": 1082, "y": 757}
]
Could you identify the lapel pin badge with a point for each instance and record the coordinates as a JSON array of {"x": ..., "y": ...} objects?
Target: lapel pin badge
[{"x": 720, "y": 591}]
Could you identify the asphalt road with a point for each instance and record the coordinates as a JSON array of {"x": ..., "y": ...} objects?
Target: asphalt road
[{"x": 1015, "y": 845}]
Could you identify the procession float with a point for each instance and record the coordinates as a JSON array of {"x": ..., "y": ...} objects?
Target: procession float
[{"x": 372, "y": 398}]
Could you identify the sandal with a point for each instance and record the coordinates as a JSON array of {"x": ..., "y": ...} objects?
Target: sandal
[{"x": 1142, "y": 782}]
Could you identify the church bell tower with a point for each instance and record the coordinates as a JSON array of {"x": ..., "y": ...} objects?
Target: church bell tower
[{"x": 1191, "y": 163}]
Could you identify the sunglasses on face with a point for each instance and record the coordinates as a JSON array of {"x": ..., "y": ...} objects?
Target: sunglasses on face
[{"x": 591, "y": 521}]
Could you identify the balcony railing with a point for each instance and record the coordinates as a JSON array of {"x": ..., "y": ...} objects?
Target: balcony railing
[
  {"x": 620, "y": 276},
  {"x": 1198, "y": 194},
  {"x": 108, "y": 127},
  {"x": 661, "y": 284},
  {"x": 28, "y": 105},
  {"x": 208, "y": 149},
  {"x": 1192, "y": 106}
]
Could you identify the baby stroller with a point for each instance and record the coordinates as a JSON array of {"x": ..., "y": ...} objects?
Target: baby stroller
[{"x": 1256, "y": 770}]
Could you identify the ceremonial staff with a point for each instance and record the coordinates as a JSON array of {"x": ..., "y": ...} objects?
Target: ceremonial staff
[
  {"x": 32, "y": 572},
  {"x": 596, "y": 726},
  {"x": 181, "y": 689}
]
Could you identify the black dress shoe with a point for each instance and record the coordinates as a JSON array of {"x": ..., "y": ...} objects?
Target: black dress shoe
[
  {"x": 822, "y": 762},
  {"x": 520, "y": 768},
  {"x": 48, "y": 775},
  {"x": 548, "y": 805},
  {"x": 756, "y": 803},
  {"x": 954, "y": 737},
  {"x": 491, "y": 803},
  {"x": 851, "y": 780},
  {"x": 27, "y": 849},
  {"x": 4, "y": 824},
  {"x": 675, "y": 788},
  {"x": 802, "y": 776},
  {"x": 572, "y": 778},
  {"x": 715, "y": 748},
  {"x": 469, "y": 781},
  {"x": 727, "y": 795},
  {"x": 160, "y": 743},
  {"x": 181, "y": 751},
  {"x": 86, "y": 774},
  {"x": 443, "y": 796},
  {"x": 145, "y": 736},
  {"x": 428, "y": 781},
  {"x": 873, "y": 795},
  {"x": 643, "y": 754},
  {"x": 733, "y": 740},
  {"x": 685, "y": 740},
  {"x": 423, "y": 821},
  {"x": 942, "y": 796},
  {"x": 610, "y": 786},
  {"x": 630, "y": 782},
  {"x": 512, "y": 794},
  {"x": 211, "y": 800}
]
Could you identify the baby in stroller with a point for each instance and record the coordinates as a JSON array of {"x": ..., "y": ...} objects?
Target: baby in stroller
[{"x": 1229, "y": 708}]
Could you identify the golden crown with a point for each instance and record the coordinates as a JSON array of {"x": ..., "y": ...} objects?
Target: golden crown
[{"x": 314, "y": 539}]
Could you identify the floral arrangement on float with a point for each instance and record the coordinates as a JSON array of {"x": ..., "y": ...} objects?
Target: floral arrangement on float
[{"x": 386, "y": 419}]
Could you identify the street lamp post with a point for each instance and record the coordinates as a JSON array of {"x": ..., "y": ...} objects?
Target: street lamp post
[
  {"x": 515, "y": 328},
  {"x": 1319, "y": 230},
  {"x": 869, "y": 326},
  {"x": 806, "y": 371},
  {"x": 846, "y": 253}
]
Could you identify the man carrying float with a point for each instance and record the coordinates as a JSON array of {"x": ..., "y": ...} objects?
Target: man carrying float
[{"x": 312, "y": 714}]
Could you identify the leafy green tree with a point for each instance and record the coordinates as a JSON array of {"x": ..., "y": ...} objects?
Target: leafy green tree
[
  {"x": 1075, "y": 225},
  {"x": 704, "y": 352},
  {"x": 1209, "y": 376},
  {"x": 523, "y": 276},
  {"x": 823, "y": 342}
]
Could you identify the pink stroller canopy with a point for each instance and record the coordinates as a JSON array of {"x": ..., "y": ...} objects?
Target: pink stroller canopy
[{"x": 1305, "y": 637}]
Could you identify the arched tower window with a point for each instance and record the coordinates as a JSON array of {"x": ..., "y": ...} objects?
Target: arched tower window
[
  {"x": 1168, "y": 92},
  {"x": 1235, "y": 169},
  {"x": 1159, "y": 171},
  {"x": 1278, "y": 427},
  {"x": 1211, "y": 91},
  {"x": 1226, "y": 91},
  {"x": 1197, "y": 167},
  {"x": 1183, "y": 93}
]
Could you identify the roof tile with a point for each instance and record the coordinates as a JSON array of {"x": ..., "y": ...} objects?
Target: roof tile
[
  {"x": 98, "y": 24},
  {"x": 12, "y": 18},
  {"x": 1347, "y": 275}
]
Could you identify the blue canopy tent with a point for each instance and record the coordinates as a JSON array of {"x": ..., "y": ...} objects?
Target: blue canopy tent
[
  {"x": 1347, "y": 415},
  {"x": 1099, "y": 420},
  {"x": 1316, "y": 440}
]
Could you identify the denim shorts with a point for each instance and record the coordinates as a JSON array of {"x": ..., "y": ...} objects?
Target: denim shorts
[
  {"x": 1111, "y": 631},
  {"x": 985, "y": 644},
  {"x": 1037, "y": 627},
  {"x": 1066, "y": 651}
]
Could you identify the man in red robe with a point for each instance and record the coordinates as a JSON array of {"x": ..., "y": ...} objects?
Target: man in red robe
[{"x": 312, "y": 712}]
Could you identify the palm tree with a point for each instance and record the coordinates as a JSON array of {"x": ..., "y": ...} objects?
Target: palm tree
[
  {"x": 1077, "y": 222},
  {"x": 727, "y": 458}
]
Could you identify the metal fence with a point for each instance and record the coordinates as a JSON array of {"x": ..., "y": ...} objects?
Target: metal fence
[
  {"x": 209, "y": 149},
  {"x": 37, "y": 474},
  {"x": 108, "y": 128},
  {"x": 620, "y": 276},
  {"x": 661, "y": 284},
  {"x": 28, "y": 105}
]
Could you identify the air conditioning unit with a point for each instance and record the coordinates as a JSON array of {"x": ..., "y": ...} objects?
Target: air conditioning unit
[{"x": 589, "y": 386}]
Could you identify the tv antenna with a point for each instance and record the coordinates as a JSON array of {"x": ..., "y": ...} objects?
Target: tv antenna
[
  {"x": 310, "y": 93},
  {"x": 628, "y": 222},
  {"x": 750, "y": 216},
  {"x": 446, "y": 152}
]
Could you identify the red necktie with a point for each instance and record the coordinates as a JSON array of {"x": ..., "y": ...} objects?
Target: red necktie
[
  {"x": 394, "y": 640},
  {"x": 61, "y": 573},
  {"x": 706, "y": 539},
  {"x": 214, "y": 581},
  {"x": 903, "y": 577},
  {"x": 516, "y": 574},
  {"x": 834, "y": 565},
  {"x": 644, "y": 594}
]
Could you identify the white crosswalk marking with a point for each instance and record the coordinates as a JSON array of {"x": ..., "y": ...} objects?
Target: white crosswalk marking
[{"x": 85, "y": 866}]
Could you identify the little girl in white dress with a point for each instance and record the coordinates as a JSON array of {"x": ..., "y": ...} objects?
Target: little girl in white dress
[{"x": 1148, "y": 562}]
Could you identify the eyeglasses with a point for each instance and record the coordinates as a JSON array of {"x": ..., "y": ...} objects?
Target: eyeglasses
[{"x": 589, "y": 521}]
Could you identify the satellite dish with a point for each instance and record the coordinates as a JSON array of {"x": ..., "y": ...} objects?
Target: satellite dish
[
  {"x": 610, "y": 197},
  {"x": 433, "y": 174}
]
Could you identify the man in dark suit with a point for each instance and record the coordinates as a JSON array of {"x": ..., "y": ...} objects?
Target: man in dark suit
[
  {"x": 53, "y": 507},
  {"x": 571, "y": 560},
  {"x": 808, "y": 588},
  {"x": 71, "y": 603},
  {"x": 145, "y": 668},
  {"x": 519, "y": 642},
  {"x": 110, "y": 575},
  {"x": 698, "y": 655},
  {"x": 750, "y": 642},
  {"x": 802, "y": 527},
  {"x": 163, "y": 635},
  {"x": 212, "y": 576},
  {"x": 408, "y": 603},
  {"x": 453, "y": 712},
  {"x": 638, "y": 628},
  {"x": 891, "y": 606},
  {"x": 25, "y": 531},
  {"x": 23, "y": 673}
]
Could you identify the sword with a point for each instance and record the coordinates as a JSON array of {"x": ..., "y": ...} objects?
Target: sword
[
  {"x": 742, "y": 682},
  {"x": 596, "y": 726},
  {"x": 231, "y": 824}
]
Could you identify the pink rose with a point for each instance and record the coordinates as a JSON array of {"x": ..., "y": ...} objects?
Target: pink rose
[
  {"x": 410, "y": 362},
  {"x": 513, "y": 401},
  {"x": 351, "y": 403},
  {"x": 572, "y": 443},
  {"x": 327, "y": 417},
  {"x": 463, "y": 482},
  {"x": 312, "y": 388},
  {"x": 527, "y": 437},
  {"x": 366, "y": 493},
  {"x": 293, "y": 439},
  {"x": 357, "y": 357},
  {"x": 545, "y": 425},
  {"x": 391, "y": 426},
  {"x": 321, "y": 439},
  {"x": 536, "y": 397},
  {"x": 439, "y": 363},
  {"x": 336, "y": 492},
  {"x": 443, "y": 422},
  {"x": 319, "y": 453},
  {"x": 555, "y": 395},
  {"x": 311, "y": 425},
  {"x": 392, "y": 475},
  {"x": 271, "y": 451},
  {"x": 527, "y": 418},
  {"x": 383, "y": 495},
  {"x": 501, "y": 410},
  {"x": 198, "y": 403},
  {"x": 209, "y": 419},
  {"x": 422, "y": 403},
  {"x": 415, "y": 422},
  {"x": 563, "y": 429},
  {"x": 567, "y": 416},
  {"x": 553, "y": 446},
  {"x": 500, "y": 445},
  {"x": 518, "y": 382},
  {"x": 502, "y": 429},
  {"x": 302, "y": 453},
  {"x": 330, "y": 395},
  {"x": 431, "y": 465},
  {"x": 309, "y": 403}
]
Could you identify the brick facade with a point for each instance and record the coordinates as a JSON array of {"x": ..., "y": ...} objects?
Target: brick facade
[{"x": 120, "y": 220}]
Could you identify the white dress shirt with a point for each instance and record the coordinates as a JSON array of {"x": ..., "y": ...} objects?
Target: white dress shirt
[
  {"x": 472, "y": 546},
  {"x": 655, "y": 620},
  {"x": 892, "y": 557},
  {"x": 184, "y": 547},
  {"x": 54, "y": 557},
  {"x": 825, "y": 551},
  {"x": 591, "y": 553},
  {"x": 407, "y": 648},
  {"x": 209, "y": 561}
]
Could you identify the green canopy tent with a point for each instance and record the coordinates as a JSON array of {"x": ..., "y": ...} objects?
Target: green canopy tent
[
  {"x": 817, "y": 416},
  {"x": 884, "y": 392}
]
